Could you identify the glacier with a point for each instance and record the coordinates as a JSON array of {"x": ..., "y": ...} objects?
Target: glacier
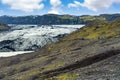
[{"x": 32, "y": 37}]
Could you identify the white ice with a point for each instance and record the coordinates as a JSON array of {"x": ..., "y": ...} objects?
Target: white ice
[{"x": 8, "y": 54}]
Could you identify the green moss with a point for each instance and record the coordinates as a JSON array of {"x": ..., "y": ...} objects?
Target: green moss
[
  {"x": 49, "y": 48},
  {"x": 99, "y": 29},
  {"x": 93, "y": 36},
  {"x": 91, "y": 18},
  {"x": 54, "y": 65},
  {"x": 29, "y": 74},
  {"x": 66, "y": 77},
  {"x": 66, "y": 17}
]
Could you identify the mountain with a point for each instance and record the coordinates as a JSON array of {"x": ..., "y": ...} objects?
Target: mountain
[
  {"x": 90, "y": 53},
  {"x": 110, "y": 17},
  {"x": 49, "y": 19},
  {"x": 52, "y": 19}
]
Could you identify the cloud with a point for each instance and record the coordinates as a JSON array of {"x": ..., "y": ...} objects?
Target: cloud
[
  {"x": 75, "y": 4},
  {"x": 94, "y": 5},
  {"x": 24, "y": 5},
  {"x": 55, "y": 9},
  {"x": 1, "y": 12}
]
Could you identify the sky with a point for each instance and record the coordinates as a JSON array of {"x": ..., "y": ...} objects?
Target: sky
[{"x": 72, "y": 7}]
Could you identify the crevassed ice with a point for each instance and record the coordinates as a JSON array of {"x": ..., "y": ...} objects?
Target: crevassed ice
[{"x": 32, "y": 37}]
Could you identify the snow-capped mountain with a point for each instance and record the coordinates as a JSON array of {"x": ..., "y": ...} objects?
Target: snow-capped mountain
[{"x": 32, "y": 37}]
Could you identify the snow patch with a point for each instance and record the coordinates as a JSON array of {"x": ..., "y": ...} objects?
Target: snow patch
[{"x": 8, "y": 54}]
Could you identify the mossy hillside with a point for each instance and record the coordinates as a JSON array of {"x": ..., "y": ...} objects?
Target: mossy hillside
[
  {"x": 54, "y": 56},
  {"x": 67, "y": 17},
  {"x": 99, "y": 29},
  {"x": 91, "y": 18}
]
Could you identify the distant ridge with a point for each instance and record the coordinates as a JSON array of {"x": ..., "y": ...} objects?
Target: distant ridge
[{"x": 49, "y": 19}]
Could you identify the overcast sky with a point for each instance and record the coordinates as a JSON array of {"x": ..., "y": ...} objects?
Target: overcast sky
[{"x": 73, "y": 7}]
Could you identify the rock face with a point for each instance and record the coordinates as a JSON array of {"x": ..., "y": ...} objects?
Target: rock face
[
  {"x": 52, "y": 19},
  {"x": 78, "y": 56},
  {"x": 32, "y": 37},
  {"x": 49, "y": 19}
]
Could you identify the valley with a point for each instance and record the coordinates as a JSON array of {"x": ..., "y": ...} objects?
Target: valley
[
  {"x": 59, "y": 39},
  {"x": 88, "y": 53}
]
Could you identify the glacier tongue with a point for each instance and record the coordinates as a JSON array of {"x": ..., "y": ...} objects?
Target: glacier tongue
[{"x": 32, "y": 37}]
